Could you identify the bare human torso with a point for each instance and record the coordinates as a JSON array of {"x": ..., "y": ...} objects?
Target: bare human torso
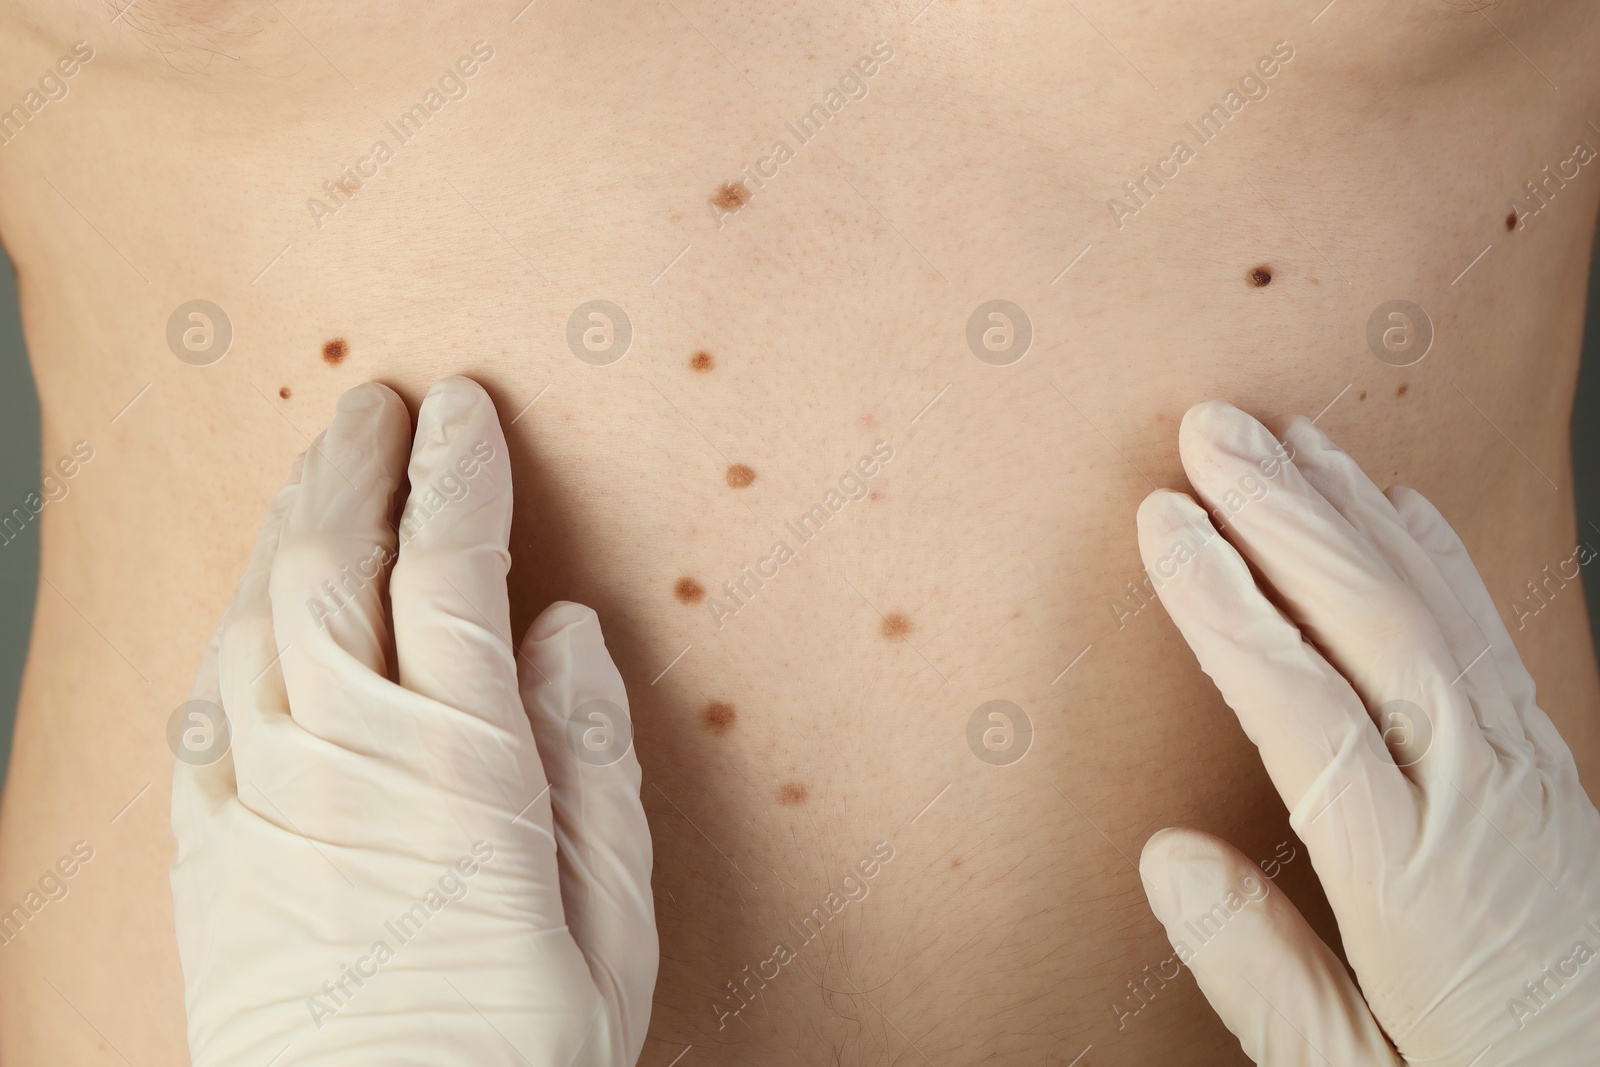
[{"x": 793, "y": 314}]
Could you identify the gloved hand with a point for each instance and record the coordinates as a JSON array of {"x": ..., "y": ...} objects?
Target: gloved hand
[
  {"x": 388, "y": 865},
  {"x": 1462, "y": 858}
]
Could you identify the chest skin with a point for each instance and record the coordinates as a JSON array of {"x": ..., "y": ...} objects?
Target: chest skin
[{"x": 823, "y": 527}]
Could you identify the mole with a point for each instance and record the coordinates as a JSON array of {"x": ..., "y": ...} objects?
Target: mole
[
  {"x": 896, "y": 626},
  {"x": 955, "y": 863},
  {"x": 1363, "y": 395},
  {"x": 1511, "y": 221},
  {"x": 334, "y": 351},
  {"x": 284, "y": 392},
  {"x": 1260, "y": 276},
  {"x": 740, "y": 476},
  {"x": 689, "y": 591},
  {"x": 1402, "y": 390},
  {"x": 731, "y": 197},
  {"x": 793, "y": 793},
  {"x": 874, "y": 495},
  {"x": 718, "y": 717},
  {"x": 702, "y": 361}
]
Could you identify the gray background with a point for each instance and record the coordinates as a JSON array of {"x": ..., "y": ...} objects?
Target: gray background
[{"x": 19, "y": 475}]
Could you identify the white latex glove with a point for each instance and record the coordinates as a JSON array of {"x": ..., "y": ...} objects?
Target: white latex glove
[
  {"x": 1463, "y": 866},
  {"x": 386, "y": 867}
]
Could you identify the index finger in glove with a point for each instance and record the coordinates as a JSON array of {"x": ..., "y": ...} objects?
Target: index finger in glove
[
  {"x": 452, "y": 617},
  {"x": 332, "y": 562}
]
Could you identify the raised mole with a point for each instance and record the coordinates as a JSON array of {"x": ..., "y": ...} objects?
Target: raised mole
[
  {"x": 284, "y": 392},
  {"x": 740, "y": 476},
  {"x": 1260, "y": 276}
]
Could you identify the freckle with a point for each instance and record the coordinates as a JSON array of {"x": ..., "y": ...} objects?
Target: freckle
[
  {"x": 1402, "y": 390},
  {"x": 1511, "y": 221},
  {"x": 868, "y": 421},
  {"x": 702, "y": 362},
  {"x": 739, "y": 476},
  {"x": 955, "y": 864},
  {"x": 1260, "y": 276},
  {"x": 874, "y": 495},
  {"x": 284, "y": 392},
  {"x": 896, "y": 626},
  {"x": 1363, "y": 395},
  {"x": 731, "y": 196},
  {"x": 334, "y": 351},
  {"x": 793, "y": 793},
  {"x": 689, "y": 591},
  {"x": 718, "y": 717}
]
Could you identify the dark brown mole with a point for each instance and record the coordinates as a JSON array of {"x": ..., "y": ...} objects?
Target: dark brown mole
[
  {"x": 1363, "y": 395},
  {"x": 334, "y": 351},
  {"x": 702, "y": 361},
  {"x": 731, "y": 197},
  {"x": 1259, "y": 276},
  {"x": 689, "y": 591},
  {"x": 1402, "y": 390},
  {"x": 740, "y": 476},
  {"x": 284, "y": 392},
  {"x": 793, "y": 793},
  {"x": 718, "y": 717},
  {"x": 1511, "y": 221},
  {"x": 896, "y": 626}
]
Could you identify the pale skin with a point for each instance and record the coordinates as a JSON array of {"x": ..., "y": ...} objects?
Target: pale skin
[{"x": 587, "y": 160}]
